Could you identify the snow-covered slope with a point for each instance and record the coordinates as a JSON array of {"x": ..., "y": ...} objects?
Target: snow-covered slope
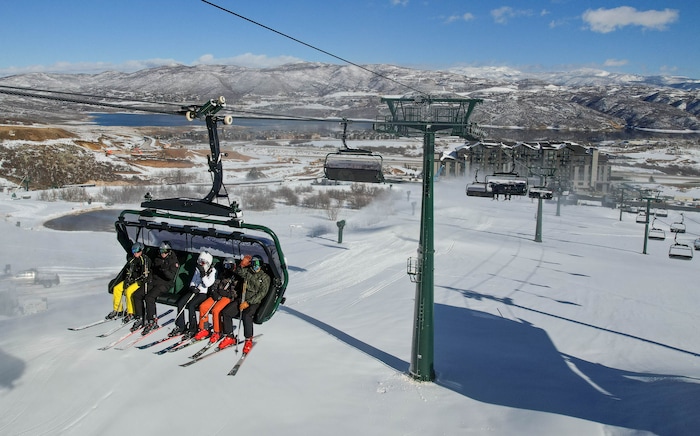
[{"x": 578, "y": 335}]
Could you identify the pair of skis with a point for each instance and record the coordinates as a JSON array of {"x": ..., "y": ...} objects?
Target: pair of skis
[
  {"x": 130, "y": 334},
  {"x": 200, "y": 355}
]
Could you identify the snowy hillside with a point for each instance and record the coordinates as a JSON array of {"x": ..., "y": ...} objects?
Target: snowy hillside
[
  {"x": 578, "y": 335},
  {"x": 580, "y": 105}
]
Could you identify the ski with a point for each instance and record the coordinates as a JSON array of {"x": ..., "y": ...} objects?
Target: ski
[
  {"x": 159, "y": 341},
  {"x": 173, "y": 346},
  {"x": 113, "y": 330},
  {"x": 204, "y": 356},
  {"x": 238, "y": 364},
  {"x": 185, "y": 344},
  {"x": 142, "y": 337},
  {"x": 203, "y": 350},
  {"x": 92, "y": 324},
  {"x": 117, "y": 341}
]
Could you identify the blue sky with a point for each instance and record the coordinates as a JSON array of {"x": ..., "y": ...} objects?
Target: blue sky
[{"x": 630, "y": 36}]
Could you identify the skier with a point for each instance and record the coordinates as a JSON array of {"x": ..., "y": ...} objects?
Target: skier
[
  {"x": 221, "y": 294},
  {"x": 138, "y": 268},
  {"x": 204, "y": 277},
  {"x": 165, "y": 266},
  {"x": 256, "y": 284}
]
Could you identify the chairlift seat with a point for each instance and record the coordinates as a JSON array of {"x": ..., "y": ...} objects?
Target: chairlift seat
[
  {"x": 680, "y": 251},
  {"x": 479, "y": 190},
  {"x": 657, "y": 234},
  {"x": 677, "y": 228},
  {"x": 540, "y": 192},
  {"x": 354, "y": 166}
]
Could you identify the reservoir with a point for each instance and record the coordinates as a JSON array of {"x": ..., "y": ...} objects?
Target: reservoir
[{"x": 92, "y": 221}]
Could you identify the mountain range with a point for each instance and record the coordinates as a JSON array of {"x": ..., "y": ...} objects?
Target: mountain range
[{"x": 584, "y": 105}]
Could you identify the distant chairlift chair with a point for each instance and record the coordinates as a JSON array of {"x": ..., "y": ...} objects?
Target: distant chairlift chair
[
  {"x": 353, "y": 164},
  {"x": 656, "y": 233},
  {"x": 678, "y": 227},
  {"x": 679, "y": 250}
]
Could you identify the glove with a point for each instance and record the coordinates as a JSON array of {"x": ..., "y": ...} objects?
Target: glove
[
  {"x": 194, "y": 289},
  {"x": 215, "y": 295},
  {"x": 244, "y": 305},
  {"x": 200, "y": 268}
]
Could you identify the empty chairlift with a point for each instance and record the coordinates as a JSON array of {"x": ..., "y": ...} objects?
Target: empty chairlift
[
  {"x": 679, "y": 250},
  {"x": 541, "y": 192},
  {"x": 678, "y": 227},
  {"x": 656, "y": 233},
  {"x": 353, "y": 164},
  {"x": 641, "y": 217},
  {"x": 478, "y": 189}
]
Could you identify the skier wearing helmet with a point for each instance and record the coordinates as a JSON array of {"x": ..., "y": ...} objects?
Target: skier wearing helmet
[
  {"x": 137, "y": 270},
  {"x": 256, "y": 284},
  {"x": 204, "y": 277},
  {"x": 163, "y": 272}
]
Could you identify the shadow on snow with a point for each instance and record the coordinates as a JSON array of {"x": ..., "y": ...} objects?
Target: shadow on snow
[{"x": 500, "y": 361}]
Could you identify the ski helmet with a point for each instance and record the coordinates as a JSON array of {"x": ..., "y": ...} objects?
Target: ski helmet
[
  {"x": 165, "y": 247},
  {"x": 136, "y": 248},
  {"x": 256, "y": 263},
  {"x": 230, "y": 263}
]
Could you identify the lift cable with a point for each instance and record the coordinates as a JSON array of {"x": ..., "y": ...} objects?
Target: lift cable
[
  {"x": 315, "y": 48},
  {"x": 246, "y": 114},
  {"x": 85, "y": 102}
]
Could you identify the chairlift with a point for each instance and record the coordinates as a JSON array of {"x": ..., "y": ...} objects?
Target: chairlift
[
  {"x": 656, "y": 233},
  {"x": 679, "y": 250},
  {"x": 678, "y": 227},
  {"x": 479, "y": 189},
  {"x": 353, "y": 164},
  {"x": 509, "y": 183},
  {"x": 542, "y": 192},
  {"x": 191, "y": 226},
  {"x": 641, "y": 217},
  {"x": 661, "y": 212}
]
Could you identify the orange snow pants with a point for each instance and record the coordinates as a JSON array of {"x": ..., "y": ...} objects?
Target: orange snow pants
[{"x": 214, "y": 312}]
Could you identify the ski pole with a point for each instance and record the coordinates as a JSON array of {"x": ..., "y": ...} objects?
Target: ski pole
[
  {"x": 185, "y": 305},
  {"x": 240, "y": 313}
]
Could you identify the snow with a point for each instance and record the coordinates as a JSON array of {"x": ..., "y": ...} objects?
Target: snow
[{"x": 580, "y": 334}]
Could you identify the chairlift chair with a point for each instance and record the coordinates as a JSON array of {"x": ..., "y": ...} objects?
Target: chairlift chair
[
  {"x": 641, "y": 217},
  {"x": 542, "y": 192},
  {"x": 678, "y": 227},
  {"x": 479, "y": 189},
  {"x": 191, "y": 226},
  {"x": 507, "y": 183},
  {"x": 353, "y": 164},
  {"x": 679, "y": 250},
  {"x": 656, "y": 233}
]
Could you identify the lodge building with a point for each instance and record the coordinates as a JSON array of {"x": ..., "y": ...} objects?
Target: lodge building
[{"x": 563, "y": 165}]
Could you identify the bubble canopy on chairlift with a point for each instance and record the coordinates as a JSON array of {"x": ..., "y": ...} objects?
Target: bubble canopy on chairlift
[{"x": 194, "y": 225}]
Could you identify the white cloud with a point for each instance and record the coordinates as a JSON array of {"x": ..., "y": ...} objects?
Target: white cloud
[
  {"x": 464, "y": 17},
  {"x": 615, "y": 62},
  {"x": 399, "y": 2},
  {"x": 607, "y": 20},
  {"x": 503, "y": 14},
  {"x": 245, "y": 60}
]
